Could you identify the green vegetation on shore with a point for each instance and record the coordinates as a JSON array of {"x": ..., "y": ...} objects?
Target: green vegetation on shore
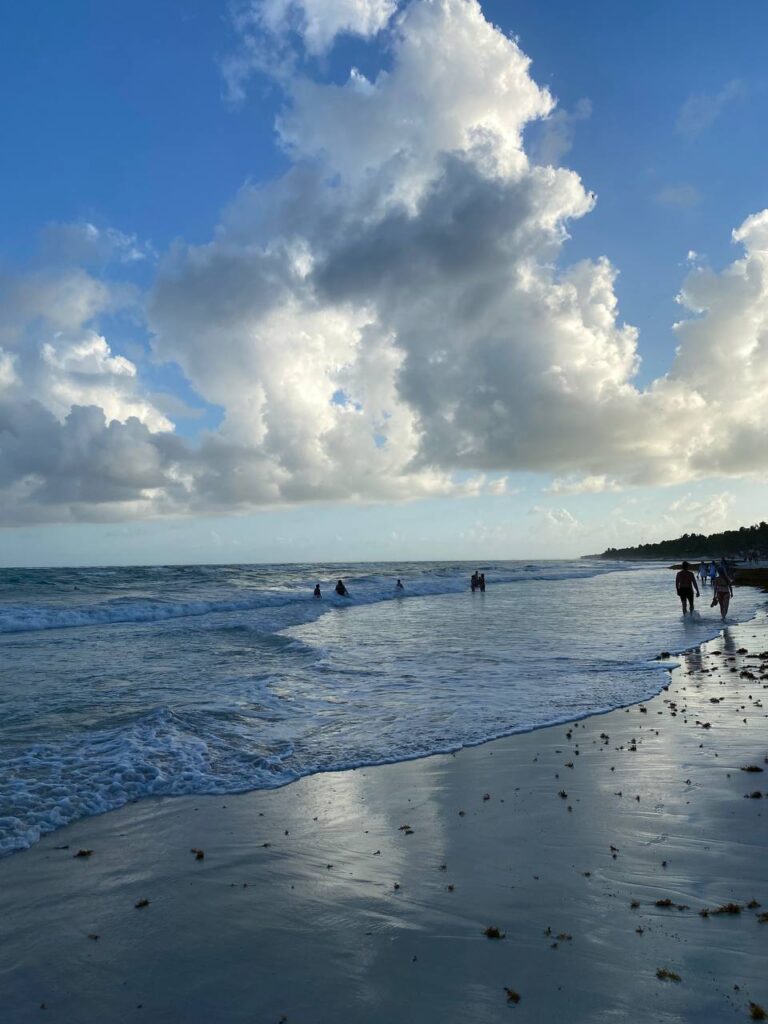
[{"x": 730, "y": 543}]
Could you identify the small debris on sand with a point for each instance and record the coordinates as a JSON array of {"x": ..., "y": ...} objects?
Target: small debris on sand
[
  {"x": 492, "y": 932},
  {"x": 663, "y": 974},
  {"x": 670, "y": 903},
  {"x": 141, "y": 903},
  {"x": 512, "y": 996},
  {"x": 83, "y": 853}
]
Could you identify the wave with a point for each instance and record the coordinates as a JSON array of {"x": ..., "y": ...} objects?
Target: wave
[{"x": 23, "y": 618}]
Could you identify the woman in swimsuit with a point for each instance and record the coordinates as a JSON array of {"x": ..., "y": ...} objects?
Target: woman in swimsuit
[{"x": 723, "y": 592}]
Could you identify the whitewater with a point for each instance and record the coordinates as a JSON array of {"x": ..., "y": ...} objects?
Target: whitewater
[{"x": 118, "y": 684}]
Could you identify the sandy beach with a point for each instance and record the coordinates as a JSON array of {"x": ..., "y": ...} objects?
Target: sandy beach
[{"x": 601, "y": 851}]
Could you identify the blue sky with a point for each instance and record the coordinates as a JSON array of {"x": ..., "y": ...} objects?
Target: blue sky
[{"x": 119, "y": 118}]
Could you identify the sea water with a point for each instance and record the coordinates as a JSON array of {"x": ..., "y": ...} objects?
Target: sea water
[{"x": 123, "y": 683}]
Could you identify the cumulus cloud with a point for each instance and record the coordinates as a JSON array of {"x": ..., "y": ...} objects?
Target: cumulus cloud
[
  {"x": 266, "y": 29},
  {"x": 78, "y": 437},
  {"x": 393, "y": 318}
]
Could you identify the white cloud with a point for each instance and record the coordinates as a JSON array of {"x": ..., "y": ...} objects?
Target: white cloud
[
  {"x": 391, "y": 319},
  {"x": 555, "y": 521},
  {"x": 85, "y": 244},
  {"x": 583, "y": 485},
  {"x": 692, "y": 514},
  {"x": 320, "y": 21},
  {"x": 78, "y": 437},
  {"x": 266, "y": 28},
  {"x": 700, "y": 110}
]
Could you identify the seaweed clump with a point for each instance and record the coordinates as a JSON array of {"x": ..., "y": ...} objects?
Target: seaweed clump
[{"x": 663, "y": 974}]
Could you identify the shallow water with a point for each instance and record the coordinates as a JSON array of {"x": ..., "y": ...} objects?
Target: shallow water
[{"x": 117, "y": 684}]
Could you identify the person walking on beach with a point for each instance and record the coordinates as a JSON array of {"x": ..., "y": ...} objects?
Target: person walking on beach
[
  {"x": 341, "y": 590},
  {"x": 704, "y": 572},
  {"x": 723, "y": 592},
  {"x": 685, "y": 582},
  {"x": 712, "y": 572}
]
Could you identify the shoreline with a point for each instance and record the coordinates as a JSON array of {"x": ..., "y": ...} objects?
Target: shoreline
[
  {"x": 315, "y": 901},
  {"x": 663, "y": 662}
]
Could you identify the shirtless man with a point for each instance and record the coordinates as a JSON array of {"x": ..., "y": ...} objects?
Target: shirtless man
[{"x": 685, "y": 582}]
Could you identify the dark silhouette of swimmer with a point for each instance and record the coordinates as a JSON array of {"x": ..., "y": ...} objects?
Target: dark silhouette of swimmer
[
  {"x": 474, "y": 582},
  {"x": 685, "y": 582},
  {"x": 481, "y": 582},
  {"x": 399, "y": 585},
  {"x": 341, "y": 590},
  {"x": 317, "y": 590}
]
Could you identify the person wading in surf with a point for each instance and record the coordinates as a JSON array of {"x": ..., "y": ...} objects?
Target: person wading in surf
[
  {"x": 685, "y": 582},
  {"x": 723, "y": 592}
]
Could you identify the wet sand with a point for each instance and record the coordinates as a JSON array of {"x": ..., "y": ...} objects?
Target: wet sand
[{"x": 593, "y": 849}]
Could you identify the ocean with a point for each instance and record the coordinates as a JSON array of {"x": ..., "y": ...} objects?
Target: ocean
[{"x": 118, "y": 684}]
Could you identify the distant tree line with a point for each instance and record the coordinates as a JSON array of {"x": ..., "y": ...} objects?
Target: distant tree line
[{"x": 699, "y": 545}]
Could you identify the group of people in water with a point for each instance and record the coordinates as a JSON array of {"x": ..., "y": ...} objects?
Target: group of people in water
[
  {"x": 477, "y": 582},
  {"x": 719, "y": 574},
  {"x": 342, "y": 591}
]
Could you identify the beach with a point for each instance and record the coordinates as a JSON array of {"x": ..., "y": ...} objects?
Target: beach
[{"x": 601, "y": 853}]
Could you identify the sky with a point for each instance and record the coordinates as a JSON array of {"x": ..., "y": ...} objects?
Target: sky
[{"x": 295, "y": 280}]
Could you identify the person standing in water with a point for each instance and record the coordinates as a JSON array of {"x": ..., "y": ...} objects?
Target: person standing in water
[
  {"x": 685, "y": 582},
  {"x": 341, "y": 590},
  {"x": 399, "y": 585},
  {"x": 317, "y": 590},
  {"x": 723, "y": 592},
  {"x": 475, "y": 581},
  {"x": 481, "y": 582}
]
